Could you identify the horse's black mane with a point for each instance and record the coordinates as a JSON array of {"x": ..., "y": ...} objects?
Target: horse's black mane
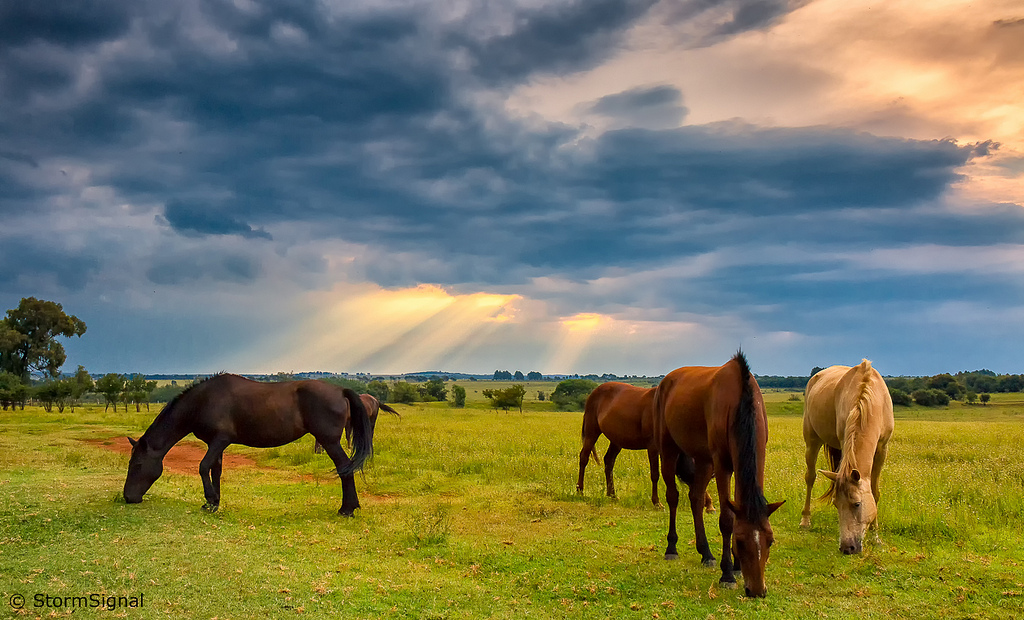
[
  {"x": 169, "y": 407},
  {"x": 745, "y": 430}
]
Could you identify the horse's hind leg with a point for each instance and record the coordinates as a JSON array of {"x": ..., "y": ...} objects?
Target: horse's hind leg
[
  {"x": 652, "y": 456},
  {"x": 212, "y": 463},
  {"x": 813, "y": 445},
  {"x": 585, "y": 452},
  {"x": 215, "y": 471},
  {"x": 349, "y": 499},
  {"x": 609, "y": 465},
  {"x": 876, "y": 474}
]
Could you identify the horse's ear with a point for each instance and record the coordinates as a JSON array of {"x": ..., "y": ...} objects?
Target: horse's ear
[
  {"x": 133, "y": 442},
  {"x": 731, "y": 506},
  {"x": 855, "y": 476},
  {"x": 831, "y": 475},
  {"x": 773, "y": 507}
]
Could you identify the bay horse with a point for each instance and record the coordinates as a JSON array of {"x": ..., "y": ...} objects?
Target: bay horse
[
  {"x": 716, "y": 417},
  {"x": 373, "y": 407},
  {"x": 227, "y": 409},
  {"x": 624, "y": 414},
  {"x": 849, "y": 411}
]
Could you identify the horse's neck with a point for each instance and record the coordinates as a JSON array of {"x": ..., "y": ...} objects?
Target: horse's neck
[
  {"x": 164, "y": 433},
  {"x": 865, "y": 443}
]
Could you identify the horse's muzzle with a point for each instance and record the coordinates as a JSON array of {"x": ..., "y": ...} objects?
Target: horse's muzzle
[{"x": 850, "y": 548}]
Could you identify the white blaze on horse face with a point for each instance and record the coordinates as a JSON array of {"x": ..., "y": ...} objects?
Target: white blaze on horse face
[{"x": 757, "y": 544}]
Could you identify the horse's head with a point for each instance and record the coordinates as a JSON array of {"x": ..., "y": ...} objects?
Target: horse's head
[
  {"x": 144, "y": 467},
  {"x": 856, "y": 505},
  {"x": 752, "y": 541}
]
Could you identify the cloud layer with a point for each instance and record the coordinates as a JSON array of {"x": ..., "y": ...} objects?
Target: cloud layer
[{"x": 209, "y": 164}]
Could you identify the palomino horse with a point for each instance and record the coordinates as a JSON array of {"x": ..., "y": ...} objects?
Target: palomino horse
[
  {"x": 849, "y": 411},
  {"x": 624, "y": 414},
  {"x": 227, "y": 409},
  {"x": 373, "y": 407},
  {"x": 715, "y": 416}
]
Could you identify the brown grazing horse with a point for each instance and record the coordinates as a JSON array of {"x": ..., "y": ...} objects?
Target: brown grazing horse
[
  {"x": 624, "y": 414},
  {"x": 715, "y": 416},
  {"x": 227, "y": 409},
  {"x": 373, "y": 407},
  {"x": 849, "y": 411}
]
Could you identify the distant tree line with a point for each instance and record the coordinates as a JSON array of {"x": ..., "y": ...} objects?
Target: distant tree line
[
  {"x": 504, "y": 375},
  {"x": 938, "y": 390}
]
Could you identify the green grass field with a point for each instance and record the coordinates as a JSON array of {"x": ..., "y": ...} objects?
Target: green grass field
[{"x": 471, "y": 513}]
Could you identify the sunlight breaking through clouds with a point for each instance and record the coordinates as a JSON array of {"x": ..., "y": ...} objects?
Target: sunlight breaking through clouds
[{"x": 367, "y": 328}]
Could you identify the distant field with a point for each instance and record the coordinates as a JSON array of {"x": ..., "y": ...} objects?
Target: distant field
[{"x": 473, "y": 513}]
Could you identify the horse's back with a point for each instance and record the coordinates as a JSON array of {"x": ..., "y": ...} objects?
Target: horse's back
[
  {"x": 820, "y": 404},
  {"x": 832, "y": 393},
  {"x": 684, "y": 401},
  {"x": 624, "y": 414},
  {"x": 262, "y": 415},
  {"x": 864, "y": 381}
]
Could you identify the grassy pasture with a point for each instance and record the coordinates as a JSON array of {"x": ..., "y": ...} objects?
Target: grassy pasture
[{"x": 473, "y": 514}]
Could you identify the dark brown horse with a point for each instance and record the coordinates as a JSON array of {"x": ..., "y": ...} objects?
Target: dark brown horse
[
  {"x": 373, "y": 407},
  {"x": 227, "y": 409},
  {"x": 624, "y": 414},
  {"x": 715, "y": 416}
]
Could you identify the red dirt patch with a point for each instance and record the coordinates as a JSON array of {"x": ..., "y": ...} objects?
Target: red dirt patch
[{"x": 182, "y": 458}]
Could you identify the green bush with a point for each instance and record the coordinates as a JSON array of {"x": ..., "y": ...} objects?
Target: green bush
[
  {"x": 930, "y": 398},
  {"x": 899, "y": 397},
  {"x": 404, "y": 392},
  {"x": 458, "y": 396},
  {"x": 571, "y": 394}
]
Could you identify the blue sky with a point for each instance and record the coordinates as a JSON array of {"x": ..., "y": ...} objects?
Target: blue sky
[{"x": 564, "y": 186}]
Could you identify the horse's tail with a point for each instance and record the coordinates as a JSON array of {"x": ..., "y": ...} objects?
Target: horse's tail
[
  {"x": 390, "y": 410},
  {"x": 362, "y": 434},
  {"x": 590, "y": 417},
  {"x": 745, "y": 432}
]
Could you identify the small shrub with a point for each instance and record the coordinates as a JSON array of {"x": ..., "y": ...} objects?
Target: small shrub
[
  {"x": 930, "y": 398},
  {"x": 899, "y": 397},
  {"x": 571, "y": 394}
]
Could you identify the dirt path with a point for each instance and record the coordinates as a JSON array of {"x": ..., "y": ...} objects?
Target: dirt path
[{"x": 183, "y": 458}]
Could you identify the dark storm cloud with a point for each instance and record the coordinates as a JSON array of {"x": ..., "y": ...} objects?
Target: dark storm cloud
[
  {"x": 719, "y": 19},
  {"x": 362, "y": 126},
  {"x": 652, "y": 107},
  {"x": 26, "y": 260},
  {"x": 71, "y": 24},
  {"x": 190, "y": 218},
  {"x": 562, "y": 38}
]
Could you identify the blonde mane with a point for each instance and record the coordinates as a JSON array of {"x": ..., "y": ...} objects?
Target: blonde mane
[
  {"x": 854, "y": 425},
  {"x": 855, "y": 420}
]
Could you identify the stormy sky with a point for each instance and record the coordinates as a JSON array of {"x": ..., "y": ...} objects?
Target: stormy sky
[{"x": 564, "y": 186}]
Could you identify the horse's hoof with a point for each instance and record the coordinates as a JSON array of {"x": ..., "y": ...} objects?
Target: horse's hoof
[
  {"x": 727, "y": 585},
  {"x": 349, "y": 513},
  {"x": 708, "y": 563},
  {"x": 671, "y": 556},
  {"x": 211, "y": 507},
  {"x": 805, "y": 523}
]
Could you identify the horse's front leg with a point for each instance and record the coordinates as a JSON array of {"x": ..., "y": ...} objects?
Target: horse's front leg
[
  {"x": 726, "y": 522},
  {"x": 698, "y": 490},
  {"x": 813, "y": 445},
  {"x": 349, "y": 500},
  {"x": 211, "y": 464}
]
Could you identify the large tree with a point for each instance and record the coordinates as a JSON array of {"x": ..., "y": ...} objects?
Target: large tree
[{"x": 28, "y": 337}]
